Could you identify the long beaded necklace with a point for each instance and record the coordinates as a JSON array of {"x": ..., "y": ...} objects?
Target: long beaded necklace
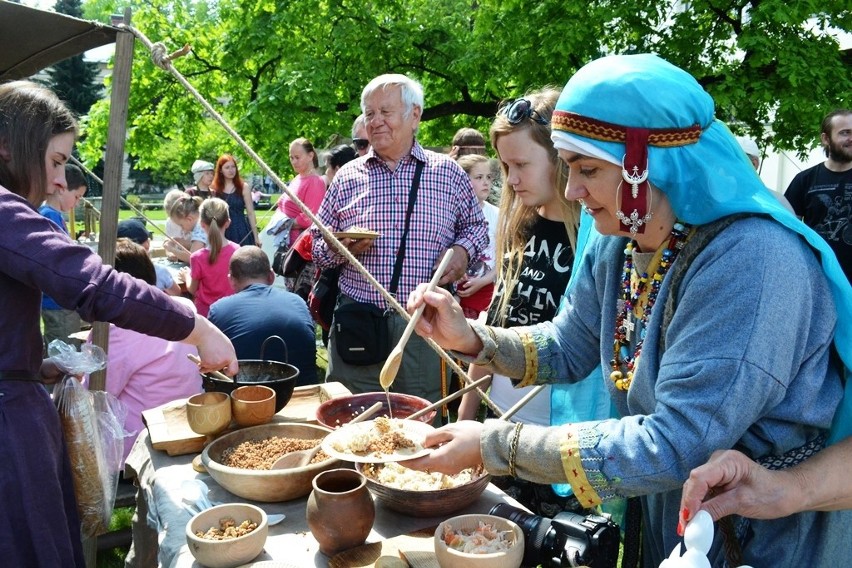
[{"x": 623, "y": 366}]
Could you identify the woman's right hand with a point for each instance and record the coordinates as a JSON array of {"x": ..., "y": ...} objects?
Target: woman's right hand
[
  {"x": 443, "y": 320},
  {"x": 214, "y": 348}
]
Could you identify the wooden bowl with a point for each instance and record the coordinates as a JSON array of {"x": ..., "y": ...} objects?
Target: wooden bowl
[
  {"x": 252, "y": 405},
  {"x": 280, "y": 377},
  {"x": 268, "y": 486},
  {"x": 208, "y": 413},
  {"x": 425, "y": 503},
  {"x": 229, "y": 552},
  {"x": 339, "y": 411},
  {"x": 451, "y": 558}
]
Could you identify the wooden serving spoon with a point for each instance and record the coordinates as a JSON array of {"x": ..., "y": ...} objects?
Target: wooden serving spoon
[
  {"x": 301, "y": 458},
  {"x": 219, "y": 375},
  {"x": 391, "y": 366}
]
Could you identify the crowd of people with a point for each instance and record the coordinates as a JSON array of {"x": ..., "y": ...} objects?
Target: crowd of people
[{"x": 627, "y": 295}]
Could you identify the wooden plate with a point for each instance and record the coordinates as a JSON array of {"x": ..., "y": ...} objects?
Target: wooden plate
[
  {"x": 414, "y": 430},
  {"x": 357, "y": 234}
]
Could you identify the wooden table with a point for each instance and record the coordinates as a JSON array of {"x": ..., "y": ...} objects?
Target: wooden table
[{"x": 161, "y": 540}]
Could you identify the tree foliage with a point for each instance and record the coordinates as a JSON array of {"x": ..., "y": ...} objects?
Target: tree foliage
[
  {"x": 74, "y": 79},
  {"x": 278, "y": 70}
]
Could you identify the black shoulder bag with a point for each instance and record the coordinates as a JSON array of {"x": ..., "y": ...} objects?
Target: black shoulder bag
[{"x": 361, "y": 329}]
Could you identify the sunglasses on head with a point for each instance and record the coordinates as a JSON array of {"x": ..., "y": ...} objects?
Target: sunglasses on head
[
  {"x": 519, "y": 110},
  {"x": 361, "y": 143}
]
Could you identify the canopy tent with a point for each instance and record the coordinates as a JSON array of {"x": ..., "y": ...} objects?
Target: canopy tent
[{"x": 32, "y": 39}]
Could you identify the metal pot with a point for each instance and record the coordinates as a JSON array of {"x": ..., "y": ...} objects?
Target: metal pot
[{"x": 280, "y": 377}]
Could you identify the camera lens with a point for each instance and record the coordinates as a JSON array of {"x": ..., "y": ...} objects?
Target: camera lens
[{"x": 531, "y": 525}]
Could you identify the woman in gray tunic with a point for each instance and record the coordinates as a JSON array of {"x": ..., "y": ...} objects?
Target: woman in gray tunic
[{"x": 716, "y": 323}]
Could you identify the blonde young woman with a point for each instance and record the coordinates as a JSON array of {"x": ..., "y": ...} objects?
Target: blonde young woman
[{"x": 536, "y": 238}]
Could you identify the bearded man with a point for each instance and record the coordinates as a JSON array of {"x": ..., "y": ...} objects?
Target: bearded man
[{"x": 822, "y": 195}]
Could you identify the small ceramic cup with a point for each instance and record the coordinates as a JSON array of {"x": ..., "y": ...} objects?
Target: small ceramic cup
[{"x": 252, "y": 405}]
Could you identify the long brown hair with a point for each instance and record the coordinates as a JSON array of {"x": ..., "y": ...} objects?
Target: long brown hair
[
  {"x": 218, "y": 185},
  {"x": 30, "y": 116},
  {"x": 214, "y": 216},
  {"x": 514, "y": 218}
]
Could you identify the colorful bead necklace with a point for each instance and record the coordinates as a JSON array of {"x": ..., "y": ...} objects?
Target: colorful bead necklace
[{"x": 622, "y": 369}]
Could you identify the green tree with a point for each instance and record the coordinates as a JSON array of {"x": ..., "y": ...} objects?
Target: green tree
[
  {"x": 74, "y": 80},
  {"x": 279, "y": 70}
]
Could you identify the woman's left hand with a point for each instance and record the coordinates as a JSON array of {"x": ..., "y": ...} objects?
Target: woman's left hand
[
  {"x": 456, "y": 448},
  {"x": 50, "y": 372}
]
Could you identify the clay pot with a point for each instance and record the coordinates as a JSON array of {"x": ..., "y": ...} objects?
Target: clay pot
[{"x": 340, "y": 510}]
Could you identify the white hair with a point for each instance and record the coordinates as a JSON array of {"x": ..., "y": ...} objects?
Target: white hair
[{"x": 411, "y": 90}]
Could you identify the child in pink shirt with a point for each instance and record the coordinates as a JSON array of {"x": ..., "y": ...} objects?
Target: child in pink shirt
[{"x": 208, "y": 267}]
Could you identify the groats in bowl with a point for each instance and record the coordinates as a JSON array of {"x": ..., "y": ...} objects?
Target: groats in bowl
[
  {"x": 481, "y": 533},
  {"x": 269, "y": 486},
  {"x": 421, "y": 494},
  {"x": 338, "y": 411},
  {"x": 252, "y": 405},
  {"x": 227, "y": 552},
  {"x": 280, "y": 377}
]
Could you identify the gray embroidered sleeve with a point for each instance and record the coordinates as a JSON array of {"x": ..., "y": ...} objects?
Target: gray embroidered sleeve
[
  {"x": 503, "y": 351},
  {"x": 537, "y": 458}
]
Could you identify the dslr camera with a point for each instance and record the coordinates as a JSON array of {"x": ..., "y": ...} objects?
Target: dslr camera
[{"x": 567, "y": 539}]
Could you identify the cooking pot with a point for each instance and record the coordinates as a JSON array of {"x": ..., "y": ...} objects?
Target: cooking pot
[{"x": 280, "y": 377}]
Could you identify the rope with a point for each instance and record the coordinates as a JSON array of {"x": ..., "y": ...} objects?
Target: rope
[
  {"x": 160, "y": 59},
  {"x": 124, "y": 201}
]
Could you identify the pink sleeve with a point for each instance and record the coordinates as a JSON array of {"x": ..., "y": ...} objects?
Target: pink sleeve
[{"x": 311, "y": 191}]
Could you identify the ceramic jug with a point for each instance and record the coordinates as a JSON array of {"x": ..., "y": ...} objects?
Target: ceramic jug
[{"x": 340, "y": 510}]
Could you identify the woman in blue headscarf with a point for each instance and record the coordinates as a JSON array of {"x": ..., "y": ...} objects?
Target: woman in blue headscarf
[{"x": 716, "y": 314}]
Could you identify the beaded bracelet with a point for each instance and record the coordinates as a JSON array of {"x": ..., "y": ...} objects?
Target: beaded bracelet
[{"x": 513, "y": 449}]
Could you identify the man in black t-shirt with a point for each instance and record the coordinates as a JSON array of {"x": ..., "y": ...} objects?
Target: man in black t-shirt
[{"x": 822, "y": 195}]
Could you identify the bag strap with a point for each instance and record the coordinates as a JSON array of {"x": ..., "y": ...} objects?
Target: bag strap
[{"x": 400, "y": 255}]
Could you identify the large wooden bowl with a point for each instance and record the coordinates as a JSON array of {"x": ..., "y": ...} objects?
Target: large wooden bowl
[
  {"x": 431, "y": 503},
  {"x": 268, "y": 486}
]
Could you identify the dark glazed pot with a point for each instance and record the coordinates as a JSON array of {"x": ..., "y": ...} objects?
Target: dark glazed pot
[{"x": 340, "y": 510}]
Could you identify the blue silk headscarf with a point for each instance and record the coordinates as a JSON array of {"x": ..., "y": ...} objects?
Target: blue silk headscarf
[{"x": 704, "y": 181}]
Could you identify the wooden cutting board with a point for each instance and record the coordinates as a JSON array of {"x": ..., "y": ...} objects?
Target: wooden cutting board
[
  {"x": 415, "y": 549},
  {"x": 170, "y": 431}
]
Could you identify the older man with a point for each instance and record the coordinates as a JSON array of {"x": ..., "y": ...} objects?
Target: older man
[
  {"x": 259, "y": 310},
  {"x": 422, "y": 204},
  {"x": 359, "y": 135}
]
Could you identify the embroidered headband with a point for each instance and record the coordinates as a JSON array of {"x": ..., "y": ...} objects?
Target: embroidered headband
[{"x": 634, "y": 164}]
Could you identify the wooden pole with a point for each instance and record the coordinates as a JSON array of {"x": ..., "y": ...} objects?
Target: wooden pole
[{"x": 113, "y": 166}]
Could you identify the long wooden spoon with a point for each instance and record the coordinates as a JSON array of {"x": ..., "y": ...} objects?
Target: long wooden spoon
[
  {"x": 391, "y": 366},
  {"x": 301, "y": 458},
  {"x": 448, "y": 398},
  {"x": 219, "y": 375}
]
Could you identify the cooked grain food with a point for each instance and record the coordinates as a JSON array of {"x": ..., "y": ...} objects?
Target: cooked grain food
[
  {"x": 261, "y": 454},
  {"x": 227, "y": 529},
  {"x": 386, "y": 436},
  {"x": 399, "y": 477}
]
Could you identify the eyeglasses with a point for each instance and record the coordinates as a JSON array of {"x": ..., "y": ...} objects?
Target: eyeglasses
[
  {"x": 361, "y": 143},
  {"x": 519, "y": 110}
]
